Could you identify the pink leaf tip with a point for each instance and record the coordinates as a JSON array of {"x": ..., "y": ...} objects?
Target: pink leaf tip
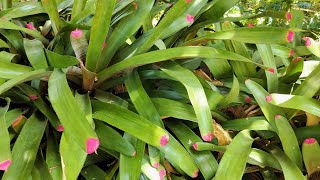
[
  {"x": 288, "y": 16},
  {"x": 271, "y": 70},
  {"x": 290, "y": 36},
  {"x": 156, "y": 165},
  {"x": 135, "y": 5},
  {"x": 164, "y": 140},
  {"x": 208, "y": 137},
  {"x": 268, "y": 98},
  {"x": 190, "y": 18},
  {"x": 104, "y": 45},
  {"x": 33, "y": 97},
  {"x": 250, "y": 25},
  {"x": 195, "y": 174},
  {"x": 134, "y": 153},
  {"x": 308, "y": 41},
  {"x": 17, "y": 121},
  {"x": 5, "y": 165},
  {"x": 248, "y": 99},
  {"x": 297, "y": 59},
  {"x": 291, "y": 53},
  {"x": 277, "y": 116},
  {"x": 30, "y": 26},
  {"x": 188, "y": 1},
  {"x": 195, "y": 146},
  {"x": 92, "y": 145},
  {"x": 162, "y": 173},
  {"x": 76, "y": 33},
  {"x": 60, "y": 128},
  {"x": 310, "y": 140}
]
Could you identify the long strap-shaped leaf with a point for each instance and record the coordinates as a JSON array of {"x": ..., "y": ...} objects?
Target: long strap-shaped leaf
[
  {"x": 233, "y": 162},
  {"x": 123, "y": 30},
  {"x": 289, "y": 141},
  {"x": 11, "y": 70},
  {"x": 26, "y": 147},
  {"x": 99, "y": 30},
  {"x": 52, "y": 10},
  {"x": 197, "y": 97},
  {"x": 66, "y": 107},
  {"x": 172, "y": 53},
  {"x": 258, "y": 35},
  {"x": 53, "y": 159},
  {"x": 289, "y": 168},
  {"x": 204, "y": 160},
  {"x": 5, "y": 151},
  {"x": 309, "y": 105},
  {"x": 35, "y": 53}
]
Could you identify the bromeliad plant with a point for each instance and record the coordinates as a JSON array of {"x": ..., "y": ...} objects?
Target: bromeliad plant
[{"x": 144, "y": 89}]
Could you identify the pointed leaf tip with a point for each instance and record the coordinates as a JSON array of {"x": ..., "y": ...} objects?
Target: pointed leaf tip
[
  {"x": 195, "y": 174},
  {"x": 5, "y": 165},
  {"x": 268, "y": 98},
  {"x": 17, "y": 121},
  {"x": 156, "y": 165},
  {"x": 190, "y": 18},
  {"x": 248, "y": 99},
  {"x": 135, "y": 5},
  {"x": 134, "y": 153},
  {"x": 33, "y": 97},
  {"x": 76, "y": 33},
  {"x": 297, "y": 59},
  {"x": 60, "y": 128},
  {"x": 290, "y": 36},
  {"x": 271, "y": 70},
  {"x": 92, "y": 145},
  {"x": 30, "y": 26},
  {"x": 288, "y": 16},
  {"x": 291, "y": 53},
  {"x": 277, "y": 116},
  {"x": 195, "y": 146},
  {"x": 208, "y": 137},
  {"x": 104, "y": 45},
  {"x": 162, "y": 173},
  {"x": 307, "y": 41},
  {"x": 188, "y": 1},
  {"x": 310, "y": 140},
  {"x": 164, "y": 140}
]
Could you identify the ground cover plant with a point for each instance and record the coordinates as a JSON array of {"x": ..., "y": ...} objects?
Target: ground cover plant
[{"x": 151, "y": 89}]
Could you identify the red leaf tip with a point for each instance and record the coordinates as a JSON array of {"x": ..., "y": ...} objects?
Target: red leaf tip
[
  {"x": 17, "y": 121},
  {"x": 162, "y": 173},
  {"x": 164, "y": 140},
  {"x": 104, "y": 45},
  {"x": 33, "y": 97},
  {"x": 310, "y": 140},
  {"x": 308, "y": 41},
  {"x": 290, "y": 36},
  {"x": 268, "y": 98},
  {"x": 297, "y": 59},
  {"x": 156, "y": 165},
  {"x": 195, "y": 174},
  {"x": 278, "y": 116},
  {"x": 5, "y": 165},
  {"x": 248, "y": 99},
  {"x": 291, "y": 53},
  {"x": 76, "y": 33},
  {"x": 271, "y": 70},
  {"x": 190, "y": 18},
  {"x": 188, "y": 1},
  {"x": 92, "y": 145},
  {"x": 60, "y": 128},
  {"x": 195, "y": 146},
  {"x": 208, "y": 137},
  {"x": 288, "y": 16},
  {"x": 30, "y": 26},
  {"x": 250, "y": 25}
]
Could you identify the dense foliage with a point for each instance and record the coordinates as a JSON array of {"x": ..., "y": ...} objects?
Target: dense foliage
[{"x": 144, "y": 89}]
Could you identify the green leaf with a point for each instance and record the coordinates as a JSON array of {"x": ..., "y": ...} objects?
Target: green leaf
[
  {"x": 309, "y": 105},
  {"x": 233, "y": 94},
  {"x": 10, "y": 70},
  {"x": 26, "y": 147},
  {"x": 53, "y": 158},
  {"x": 52, "y": 10},
  {"x": 40, "y": 170},
  {"x": 204, "y": 160},
  {"x": 35, "y": 53},
  {"x": 77, "y": 8},
  {"x": 99, "y": 30},
  {"x": 6, "y": 57},
  {"x": 168, "y": 54},
  {"x": 4, "y": 24},
  {"x": 23, "y": 10},
  {"x": 257, "y": 35},
  {"x": 60, "y": 61},
  {"x": 197, "y": 97},
  {"x": 67, "y": 110},
  {"x": 218, "y": 8},
  {"x": 239, "y": 147},
  {"x": 311, "y": 158},
  {"x": 251, "y": 123},
  {"x": 129, "y": 122},
  {"x": 5, "y": 151},
  {"x": 93, "y": 172},
  {"x": 289, "y": 168}
]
